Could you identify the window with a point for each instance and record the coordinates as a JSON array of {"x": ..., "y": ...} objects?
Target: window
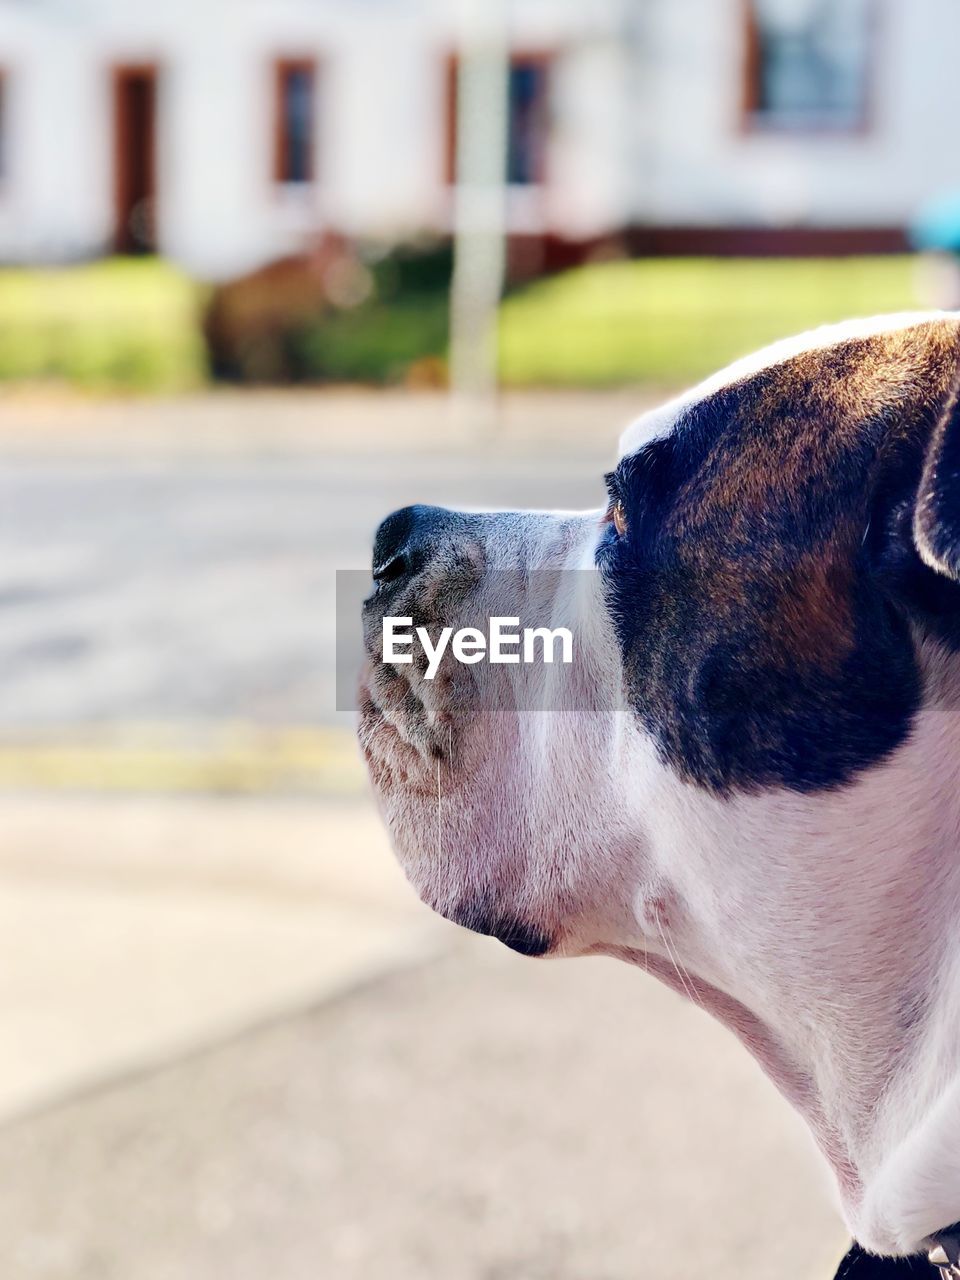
[
  {"x": 295, "y": 132},
  {"x": 807, "y": 63},
  {"x": 4, "y": 115},
  {"x": 528, "y": 124},
  {"x": 527, "y": 140}
]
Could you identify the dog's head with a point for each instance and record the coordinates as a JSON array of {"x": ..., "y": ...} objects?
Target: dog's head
[{"x": 748, "y": 781}]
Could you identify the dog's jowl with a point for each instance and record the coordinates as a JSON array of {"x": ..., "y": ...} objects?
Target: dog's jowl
[{"x": 750, "y": 770}]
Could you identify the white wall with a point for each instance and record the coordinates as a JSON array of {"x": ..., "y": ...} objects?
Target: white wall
[{"x": 55, "y": 198}]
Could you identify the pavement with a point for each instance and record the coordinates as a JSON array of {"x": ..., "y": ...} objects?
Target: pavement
[
  {"x": 476, "y": 1116},
  {"x": 138, "y": 929},
  {"x": 232, "y": 1044}
]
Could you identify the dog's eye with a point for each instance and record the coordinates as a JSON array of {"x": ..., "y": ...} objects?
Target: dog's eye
[{"x": 619, "y": 517}]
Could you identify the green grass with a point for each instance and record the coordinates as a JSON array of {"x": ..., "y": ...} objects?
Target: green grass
[
  {"x": 133, "y": 325},
  {"x": 121, "y": 324},
  {"x": 669, "y": 321},
  {"x": 378, "y": 342}
]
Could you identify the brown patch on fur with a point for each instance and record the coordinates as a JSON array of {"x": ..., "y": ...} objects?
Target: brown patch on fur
[
  {"x": 757, "y": 522},
  {"x": 805, "y": 413},
  {"x": 812, "y": 619}
]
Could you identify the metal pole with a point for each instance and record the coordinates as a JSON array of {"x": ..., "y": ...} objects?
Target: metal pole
[{"x": 479, "y": 257}]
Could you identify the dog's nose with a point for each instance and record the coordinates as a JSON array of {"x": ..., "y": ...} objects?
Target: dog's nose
[{"x": 406, "y": 540}]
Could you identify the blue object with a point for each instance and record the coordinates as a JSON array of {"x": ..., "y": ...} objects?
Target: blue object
[{"x": 937, "y": 226}]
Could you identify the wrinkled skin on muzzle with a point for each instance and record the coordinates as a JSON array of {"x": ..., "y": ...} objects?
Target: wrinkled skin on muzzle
[{"x": 475, "y": 768}]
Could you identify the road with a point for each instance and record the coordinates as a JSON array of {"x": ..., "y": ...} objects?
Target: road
[{"x": 186, "y": 577}]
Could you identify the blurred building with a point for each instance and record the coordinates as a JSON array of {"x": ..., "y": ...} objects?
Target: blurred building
[{"x": 229, "y": 132}]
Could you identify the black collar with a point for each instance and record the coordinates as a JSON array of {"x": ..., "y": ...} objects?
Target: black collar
[{"x": 941, "y": 1263}]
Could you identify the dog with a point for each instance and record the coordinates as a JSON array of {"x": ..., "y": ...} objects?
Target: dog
[{"x": 751, "y": 789}]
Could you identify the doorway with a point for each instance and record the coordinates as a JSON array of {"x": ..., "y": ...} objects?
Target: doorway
[{"x": 135, "y": 158}]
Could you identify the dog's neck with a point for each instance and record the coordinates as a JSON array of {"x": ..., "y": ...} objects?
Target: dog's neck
[
  {"x": 821, "y": 929},
  {"x": 915, "y": 1189}
]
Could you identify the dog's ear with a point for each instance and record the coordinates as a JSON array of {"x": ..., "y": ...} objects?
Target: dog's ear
[{"x": 936, "y": 515}]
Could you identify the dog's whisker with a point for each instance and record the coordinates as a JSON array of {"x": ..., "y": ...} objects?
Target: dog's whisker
[
  {"x": 694, "y": 995},
  {"x": 685, "y": 980}
]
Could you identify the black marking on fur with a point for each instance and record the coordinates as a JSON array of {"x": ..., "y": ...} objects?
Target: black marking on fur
[
  {"x": 513, "y": 932},
  {"x": 768, "y": 591}
]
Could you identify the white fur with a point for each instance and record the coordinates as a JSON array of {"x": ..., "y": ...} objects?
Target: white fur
[{"x": 818, "y": 914}]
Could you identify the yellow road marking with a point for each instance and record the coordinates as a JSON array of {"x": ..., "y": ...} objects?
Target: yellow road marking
[{"x": 228, "y": 760}]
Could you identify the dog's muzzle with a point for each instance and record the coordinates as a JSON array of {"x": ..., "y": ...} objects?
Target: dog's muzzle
[{"x": 426, "y": 563}]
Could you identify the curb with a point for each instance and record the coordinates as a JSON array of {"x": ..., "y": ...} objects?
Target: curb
[{"x": 225, "y": 760}]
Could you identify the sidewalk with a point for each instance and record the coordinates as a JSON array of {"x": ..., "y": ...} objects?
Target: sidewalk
[
  {"x": 137, "y": 930},
  {"x": 182, "y": 1099},
  {"x": 347, "y": 420},
  {"x": 482, "y": 1117}
]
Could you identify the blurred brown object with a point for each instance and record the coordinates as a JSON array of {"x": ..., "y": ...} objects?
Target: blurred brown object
[
  {"x": 251, "y": 323},
  {"x": 429, "y": 373}
]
